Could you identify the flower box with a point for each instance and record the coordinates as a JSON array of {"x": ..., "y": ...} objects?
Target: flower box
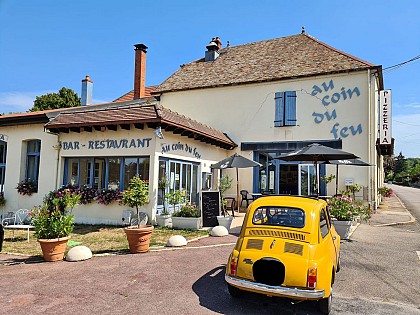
[
  {"x": 343, "y": 228},
  {"x": 186, "y": 223}
]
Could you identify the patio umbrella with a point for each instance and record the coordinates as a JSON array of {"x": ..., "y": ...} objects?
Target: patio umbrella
[
  {"x": 315, "y": 153},
  {"x": 235, "y": 161},
  {"x": 355, "y": 162}
]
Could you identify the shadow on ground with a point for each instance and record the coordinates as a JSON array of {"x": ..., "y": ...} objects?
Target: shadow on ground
[{"x": 213, "y": 294}]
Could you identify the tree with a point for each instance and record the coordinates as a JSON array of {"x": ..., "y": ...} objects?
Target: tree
[
  {"x": 400, "y": 163},
  {"x": 63, "y": 99},
  {"x": 389, "y": 165}
]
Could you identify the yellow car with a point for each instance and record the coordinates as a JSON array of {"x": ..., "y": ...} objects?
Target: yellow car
[{"x": 287, "y": 248}]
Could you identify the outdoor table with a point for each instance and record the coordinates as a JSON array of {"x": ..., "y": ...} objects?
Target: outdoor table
[{"x": 255, "y": 196}]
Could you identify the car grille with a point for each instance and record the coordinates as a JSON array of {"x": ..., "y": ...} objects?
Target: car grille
[
  {"x": 254, "y": 244},
  {"x": 281, "y": 234},
  {"x": 293, "y": 248}
]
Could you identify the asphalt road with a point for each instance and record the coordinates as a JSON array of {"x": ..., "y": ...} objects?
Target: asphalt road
[
  {"x": 410, "y": 197},
  {"x": 380, "y": 275},
  {"x": 376, "y": 278}
]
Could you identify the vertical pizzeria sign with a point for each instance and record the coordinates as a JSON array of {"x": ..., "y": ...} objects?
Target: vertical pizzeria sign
[{"x": 385, "y": 117}]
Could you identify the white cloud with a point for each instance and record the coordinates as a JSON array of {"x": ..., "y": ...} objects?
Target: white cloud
[{"x": 18, "y": 102}]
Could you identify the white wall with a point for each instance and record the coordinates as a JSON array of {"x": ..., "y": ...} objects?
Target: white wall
[
  {"x": 172, "y": 146},
  {"x": 246, "y": 114},
  {"x": 16, "y": 164}
]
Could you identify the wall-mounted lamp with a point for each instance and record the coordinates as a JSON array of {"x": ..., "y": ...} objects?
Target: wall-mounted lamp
[
  {"x": 57, "y": 146},
  {"x": 158, "y": 132}
]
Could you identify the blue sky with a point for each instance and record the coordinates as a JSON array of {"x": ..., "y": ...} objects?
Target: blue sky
[{"x": 48, "y": 44}]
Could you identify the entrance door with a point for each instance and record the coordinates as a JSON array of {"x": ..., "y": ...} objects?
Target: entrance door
[
  {"x": 307, "y": 179},
  {"x": 289, "y": 183}
]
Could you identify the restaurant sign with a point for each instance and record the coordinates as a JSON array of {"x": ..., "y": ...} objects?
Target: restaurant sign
[
  {"x": 107, "y": 144},
  {"x": 385, "y": 117}
]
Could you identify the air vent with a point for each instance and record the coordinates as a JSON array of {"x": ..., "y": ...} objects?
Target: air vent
[
  {"x": 293, "y": 248},
  {"x": 281, "y": 234},
  {"x": 254, "y": 244}
]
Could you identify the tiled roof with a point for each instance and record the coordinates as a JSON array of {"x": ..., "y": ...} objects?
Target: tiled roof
[
  {"x": 138, "y": 114},
  {"x": 276, "y": 59},
  {"x": 130, "y": 95}
]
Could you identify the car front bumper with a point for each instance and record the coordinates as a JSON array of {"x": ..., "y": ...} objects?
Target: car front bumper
[{"x": 275, "y": 290}]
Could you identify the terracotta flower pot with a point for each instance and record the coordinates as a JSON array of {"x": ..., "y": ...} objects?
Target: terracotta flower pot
[
  {"x": 139, "y": 238},
  {"x": 53, "y": 249}
]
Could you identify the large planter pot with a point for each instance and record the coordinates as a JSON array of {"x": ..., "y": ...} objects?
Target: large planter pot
[
  {"x": 225, "y": 221},
  {"x": 343, "y": 228},
  {"x": 139, "y": 238},
  {"x": 53, "y": 249},
  {"x": 186, "y": 223},
  {"x": 163, "y": 220}
]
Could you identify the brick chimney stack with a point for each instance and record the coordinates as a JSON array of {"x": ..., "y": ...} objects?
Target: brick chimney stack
[{"x": 140, "y": 71}]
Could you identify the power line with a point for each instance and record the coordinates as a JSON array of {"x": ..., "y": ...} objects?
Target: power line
[
  {"x": 404, "y": 123},
  {"x": 401, "y": 64}
]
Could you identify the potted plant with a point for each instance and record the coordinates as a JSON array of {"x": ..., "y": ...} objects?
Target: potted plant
[
  {"x": 225, "y": 184},
  {"x": 164, "y": 218},
  {"x": 187, "y": 217},
  {"x": 353, "y": 189},
  {"x": 343, "y": 211},
  {"x": 385, "y": 192},
  {"x": 136, "y": 196},
  {"x": 54, "y": 222},
  {"x": 27, "y": 187}
]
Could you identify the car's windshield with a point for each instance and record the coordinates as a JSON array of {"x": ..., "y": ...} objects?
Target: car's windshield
[{"x": 279, "y": 216}]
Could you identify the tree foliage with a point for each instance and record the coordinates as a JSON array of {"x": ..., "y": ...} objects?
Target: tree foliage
[
  {"x": 405, "y": 171},
  {"x": 63, "y": 99}
]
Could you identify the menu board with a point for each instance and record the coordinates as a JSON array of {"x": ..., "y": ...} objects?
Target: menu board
[{"x": 210, "y": 207}]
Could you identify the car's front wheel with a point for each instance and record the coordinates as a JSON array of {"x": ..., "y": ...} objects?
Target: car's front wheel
[
  {"x": 338, "y": 263},
  {"x": 234, "y": 291},
  {"x": 324, "y": 304}
]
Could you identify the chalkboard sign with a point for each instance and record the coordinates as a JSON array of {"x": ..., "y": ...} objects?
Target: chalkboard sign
[{"x": 210, "y": 207}]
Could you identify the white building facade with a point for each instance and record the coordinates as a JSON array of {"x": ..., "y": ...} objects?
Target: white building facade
[{"x": 259, "y": 100}]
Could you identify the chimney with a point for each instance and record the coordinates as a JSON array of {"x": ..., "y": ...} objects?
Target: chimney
[
  {"x": 140, "y": 71},
  {"x": 87, "y": 87},
  {"x": 212, "y": 49}
]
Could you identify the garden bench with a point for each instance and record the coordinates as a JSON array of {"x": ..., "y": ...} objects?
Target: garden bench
[{"x": 18, "y": 221}]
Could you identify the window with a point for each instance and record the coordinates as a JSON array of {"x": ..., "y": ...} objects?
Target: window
[
  {"x": 101, "y": 172},
  {"x": 285, "y": 114},
  {"x": 206, "y": 181},
  {"x": 323, "y": 224},
  {"x": 32, "y": 160},
  {"x": 179, "y": 175},
  {"x": 279, "y": 216},
  {"x": 114, "y": 173},
  {"x": 3, "y": 152}
]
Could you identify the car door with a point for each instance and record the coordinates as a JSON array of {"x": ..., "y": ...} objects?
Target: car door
[{"x": 327, "y": 245}]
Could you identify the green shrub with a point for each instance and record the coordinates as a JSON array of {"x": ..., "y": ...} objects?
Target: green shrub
[{"x": 187, "y": 211}]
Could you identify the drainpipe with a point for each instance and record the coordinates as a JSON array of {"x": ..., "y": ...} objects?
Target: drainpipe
[
  {"x": 57, "y": 148},
  {"x": 370, "y": 126}
]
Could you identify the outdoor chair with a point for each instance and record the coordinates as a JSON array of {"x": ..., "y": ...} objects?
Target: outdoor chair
[
  {"x": 230, "y": 205},
  {"x": 246, "y": 197}
]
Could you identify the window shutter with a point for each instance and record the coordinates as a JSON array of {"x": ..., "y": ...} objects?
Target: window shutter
[
  {"x": 290, "y": 108},
  {"x": 279, "y": 114}
]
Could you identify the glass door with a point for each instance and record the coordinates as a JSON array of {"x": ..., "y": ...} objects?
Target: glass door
[
  {"x": 307, "y": 180},
  {"x": 180, "y": 176}
]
